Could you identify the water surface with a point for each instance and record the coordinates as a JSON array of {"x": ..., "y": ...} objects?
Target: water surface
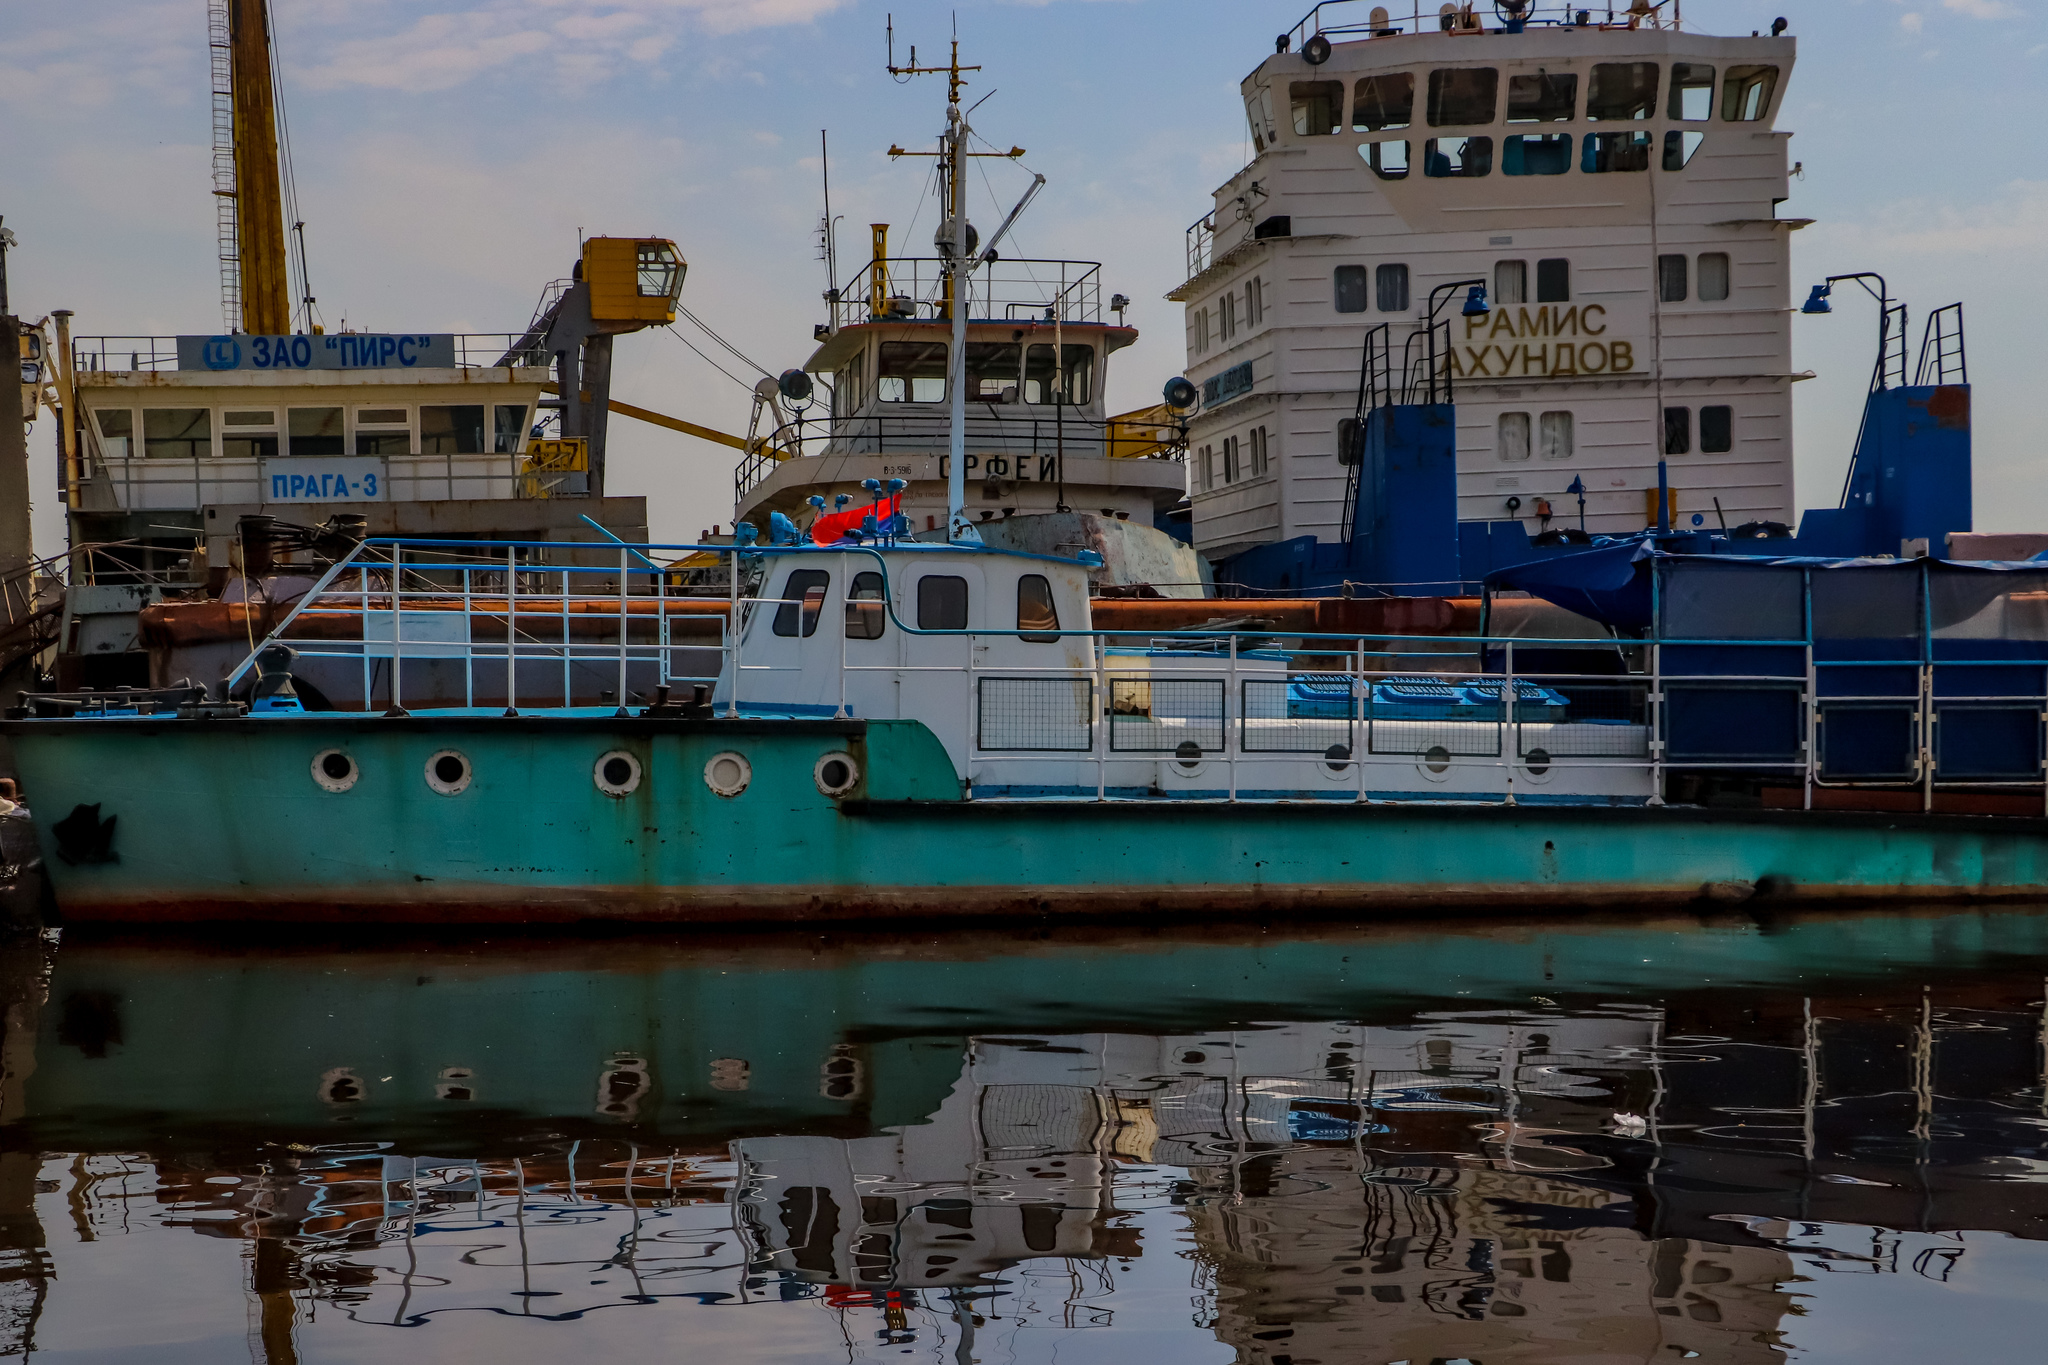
[{"x": 1813, "y": 1138}]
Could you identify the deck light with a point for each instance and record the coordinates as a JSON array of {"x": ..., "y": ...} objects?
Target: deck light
[
  {"x": 1475, "y": 302},
  {"x": 1817, "y": 301}
]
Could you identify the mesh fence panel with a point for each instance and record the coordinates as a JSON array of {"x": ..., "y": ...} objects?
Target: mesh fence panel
[
  {"x": 1039, "y": 715},
  {"x": 1305, "y": 715},
  {"x": 1598, "y": 720},
  {"x": 1158, "y": 715}
]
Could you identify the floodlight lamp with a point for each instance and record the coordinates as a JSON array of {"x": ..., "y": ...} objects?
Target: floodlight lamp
[
  {"x": 1817, "y": 301},
  {"x": 1475, "y": 302}
]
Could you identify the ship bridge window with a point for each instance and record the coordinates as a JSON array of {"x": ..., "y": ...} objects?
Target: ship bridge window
[
  {"x": 1713, "y": 276},
  {"x": 1038, "y": 621},
  {"x": 1382, "y": 102},
  {"x": 1546, "y": 97},
  {"x": 1746, "y": 92},
  {"x": 450, "y": 429},
  {"x": 1461, "y": 95},
  {"x": 1072, "y": 387},
  {"x": 249, "y": 434},
  {"x": 117, "y": 431},
  {"x": 1692, "y": 92},
  {"x": 992, "y": 371},
  {"x": 1456, "y": 157},
  {"x": 315, "y": 431},
  {"x": 1615, "y": 152},
  {"x": 1536, "y": 154},
  {"x": 1622, "y": 92},
  {"x": 177, "y": 433},
  {"x": 1259, "y": 110},
  {"x": 866, "y": 615},
  {"x": 1351, "y": 292},
  {"x": 1679, "y": 147},
  {"x": 395, "y": 437},
  {"x": 1554, "y": 280},
  {"x": 1389, "y": 160},
  {"x": 1390, "y": 283},
  {"x": 1318, "y": 107},
  {"x": 912, "y": 372},
  {"x": 941, "y": 602},
  {"x": 508, "y": 427},
  {"x": 1510, "y": 281},
  {"x": 803, "y": 599}
]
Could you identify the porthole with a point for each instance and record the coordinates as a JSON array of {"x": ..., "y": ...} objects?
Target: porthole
[
  {"x": 835, "y": 773},
  {"x": 1336, "y": 763},
  {"x": 1188, "y": 754},
  {"x": 334, "y": 770},
  {"x": 616, "y": 773},
  {"x": 1537, "y": 763},
  {"x": 1434, "y": 763},
  {"x": 728, "y": 773},
  {"x": 448, "y": 772}
]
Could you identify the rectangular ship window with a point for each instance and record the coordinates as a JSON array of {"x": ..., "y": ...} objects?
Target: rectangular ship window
[
  {"x": 866, "y": 614},
  {"x": 1713, "y": 276},
  {"x": 317, "y": 431},
  {"x": 249, "y": 434},
  {"x": 1746, "y": 93},
  {"x": 1511, "y": 437},
  {"x": 1717, "y": 430},
  {"x": 1554, "y": 435},
  {"x": 1390, "y": 282},
  {"x": 1616, "y": 152},
  {"x": 1351, "y": 296},
  {"x": 1679, "y": 147},
  {"x": 117, "y": 431},
  {"x": 1318, "y": 107},
  {"x": 1379, "y": 103},
  {"x": 1389, "y": 160},
  {"x": 1462, "y": 95},
  {"x": 1510, "y": 281},
  {"x": 912, "y": 372},
  {"x": 993, "y": 371},
  {"x": 1456, "y": 157},
  {"x": 1537, "y": 154},
  {"x": 1621, "y": 92},
  {"x": 1678, "y": 431},
  {"x": 177, "y": 433},
  {"x": 1671, "y": 278},
  {"x": 445, "y": 430},
  {"x": 941, "y": 602},
  {"x": 1038, "y": 621},
  {"x": 1546, "y": 97},
  {"x": 1041, "y": 385},
  {"x": 508, "y": 427},
  {"x": 803, "y": 599},
  {"x": 1692, "y": 92},
  {"x": 1554, "y": 280}
]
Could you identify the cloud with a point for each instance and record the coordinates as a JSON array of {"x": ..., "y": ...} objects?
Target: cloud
[
  {"x": 1912, "y": 22},
  {"x": 2014, "y": 225},
  {"x": 1983, "y": 9}
]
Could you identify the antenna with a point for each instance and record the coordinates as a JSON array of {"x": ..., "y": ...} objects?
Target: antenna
[{"x": 831, "y": 249}]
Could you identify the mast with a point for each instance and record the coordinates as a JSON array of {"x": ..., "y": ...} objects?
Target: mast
[
  {"x": 957, "y": 287},
  {"x": 257, "y": 191}
]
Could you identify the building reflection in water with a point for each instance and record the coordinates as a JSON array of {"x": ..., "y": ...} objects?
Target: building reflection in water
[{"x": 1499, "y": 1178}]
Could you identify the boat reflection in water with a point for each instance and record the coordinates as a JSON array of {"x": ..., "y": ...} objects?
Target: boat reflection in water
[{"x": 1538, "y": 1142}]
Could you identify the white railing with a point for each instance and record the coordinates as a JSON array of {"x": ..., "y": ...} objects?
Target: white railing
[
  {"x": 155, "y": 483},
  {"x": 1357, "y": 18}
]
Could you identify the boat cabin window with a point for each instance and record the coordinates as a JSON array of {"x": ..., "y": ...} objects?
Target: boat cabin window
[
  {"x": 1510, "y": 281},
  {"x": 1554, "y": 435},
  {"x": 1679, "y": 146},
  {"x": 249, "y": 434},
  {"x": 1382, "y": 102},
  {"x": 1678, "y": 431},
  {"x": 1692, "y": 92},
  {"x": 1462, "y": 95},
  {"x": 383, "y": 431},
  {"x": 1717, "y": 430},
  {"x": 1259, "y": 110},
  {"x": 1546, "y": 97},
  {"x": 1713, "y": 276},
  {"x": 1038, "y": 621},
  {"x": 1615, "y": 152},
  {"x": 941, "y": 602},
  {"x": 1511, "y": 437},
  {"x": 1454, "y": 157},
  {"x": 1390, "y": 282},
  {"x": 1746, "y": 92},
  {"x": 508, "y": 427},
  {"x": 866, "y": 614},
  {"x": 992, "y": 371},
  {"x": 1071, "y": 387},
  {"x": 1389, "y": 160},
  {"x": 452, "y": 430},
  {"x": 847, "y": 387},
  {"x": 1536, "y": 154},
  {"x": 657, "y": 271},
  {"x": 177, "y": 433},
  {"x": 803, "y": 598},
  {"x": 1554, "y": 280},
  {"x": 117, "y": 431},
  {"x": 1671, "y": 278},
  {"x": 1318, "y": 107},
  {"x": 314, "y": 431},
  {"x": 911, "y": 372},
  {"x": 1621, "y": 92}
]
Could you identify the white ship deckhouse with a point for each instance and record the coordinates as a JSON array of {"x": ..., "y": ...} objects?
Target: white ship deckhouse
[{"x": 1612, "y": 190}]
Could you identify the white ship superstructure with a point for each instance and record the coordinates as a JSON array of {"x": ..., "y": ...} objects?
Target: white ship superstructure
[{"x": 1614, "y": 187}]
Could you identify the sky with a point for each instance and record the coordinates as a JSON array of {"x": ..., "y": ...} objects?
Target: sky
[{"x": 448, "y": 152}]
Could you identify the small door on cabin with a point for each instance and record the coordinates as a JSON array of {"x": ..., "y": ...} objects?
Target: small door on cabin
[{"x": 937, "y": 682}]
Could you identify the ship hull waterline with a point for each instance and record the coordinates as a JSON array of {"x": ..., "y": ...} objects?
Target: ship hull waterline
[{"x": 223, "y": 821}]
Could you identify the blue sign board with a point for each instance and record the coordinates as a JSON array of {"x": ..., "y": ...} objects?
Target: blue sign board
[{"x": 347, "y": 351}]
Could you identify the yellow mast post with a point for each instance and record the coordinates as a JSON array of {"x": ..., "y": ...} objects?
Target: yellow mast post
[{"x": 259, "y": 194}]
